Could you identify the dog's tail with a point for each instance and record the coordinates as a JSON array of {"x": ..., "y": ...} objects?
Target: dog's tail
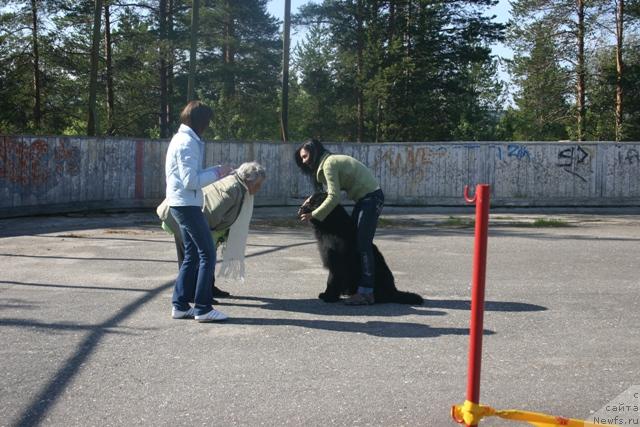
[{"x": 401, "y": 297}]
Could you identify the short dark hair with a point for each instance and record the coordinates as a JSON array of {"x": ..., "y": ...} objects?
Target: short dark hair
[{"x": 196, "y": 115}]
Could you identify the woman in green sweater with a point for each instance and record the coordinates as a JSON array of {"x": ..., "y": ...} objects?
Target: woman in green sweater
[{"x": 339, "y": 172}]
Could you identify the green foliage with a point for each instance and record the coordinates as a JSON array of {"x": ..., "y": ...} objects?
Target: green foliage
[
  {"x": 601, "y": 112},
  {"x": 543, "y": 110},
  {"x": 392, "y": 70},
  {"x": 420, "y": 68},
  {"x": 239, "y": 68},
  {"x": 134, "y": 69},
  {"x": 16, "y": 71},
  {"x": 314, "y": 96},
  {"x": 481, "y": 105}
]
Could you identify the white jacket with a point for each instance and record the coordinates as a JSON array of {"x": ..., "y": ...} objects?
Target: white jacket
[{"x": 183, "y": 169}]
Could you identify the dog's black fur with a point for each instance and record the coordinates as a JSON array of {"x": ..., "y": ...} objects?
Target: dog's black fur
[{"x": 336, "y": 237}]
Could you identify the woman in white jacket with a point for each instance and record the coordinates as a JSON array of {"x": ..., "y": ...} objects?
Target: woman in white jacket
[{"x": 185, "y": 178}]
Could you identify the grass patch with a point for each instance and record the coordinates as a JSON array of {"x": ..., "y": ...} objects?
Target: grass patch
[
  {"x": 384, "y": 222},
  {"x": 541, "y": 223},
  {"x": 122, "y": 231},
  {"x": 527, "y": 223},
  {"x": 457, "y": 222},
  {"x": 278, "y": 222},
  {"x": 71, "y": 236},
  {"x": 454, "y": 222},
  {"x": 551, "y": 222}
]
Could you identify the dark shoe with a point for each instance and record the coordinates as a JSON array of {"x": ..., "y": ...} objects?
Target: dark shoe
[
  {"x": 329, "y": 297},
  {"x": 360, "y": 299},
  {"x": 217, "y": 292}
]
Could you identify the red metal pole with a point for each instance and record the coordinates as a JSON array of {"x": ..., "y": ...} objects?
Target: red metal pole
[{"x": 481, "y": 199}]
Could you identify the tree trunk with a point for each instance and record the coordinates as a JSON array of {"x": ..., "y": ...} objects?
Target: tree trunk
[
  {"x": 359, "y": 72},
  {"x": 195, "y": 14},
  {"x": 580, "y": 81},
  {"x": 93, "y": 73},
  {"x": 407, "y": 31},
  {"x": 162, "y": 53},
  {"x": 107, "y": 49},
  {"x": 392, "y": 20},
  {"x": 37, "y": 112},
  {"x": 284, "y": 113},
  {"x": 407, "y": 38},
  {"x": 229, "y": 52},
  {"x": 619, "y": 69},
  {"x": 170, "y": 61}
]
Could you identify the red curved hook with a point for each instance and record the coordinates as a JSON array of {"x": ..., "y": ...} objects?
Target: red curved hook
[
  {"x": 454, "y": 415},
  {"x": 466, "y": 195}
]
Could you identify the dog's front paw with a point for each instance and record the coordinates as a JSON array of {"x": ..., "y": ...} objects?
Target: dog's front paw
[{"x": 327, "y": 297}]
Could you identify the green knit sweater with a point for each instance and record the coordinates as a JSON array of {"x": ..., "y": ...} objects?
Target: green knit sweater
[{"x": 342, "y": 173}]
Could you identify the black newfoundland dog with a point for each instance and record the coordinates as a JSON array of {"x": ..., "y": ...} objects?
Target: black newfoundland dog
[{"x": 336, "y": 237}]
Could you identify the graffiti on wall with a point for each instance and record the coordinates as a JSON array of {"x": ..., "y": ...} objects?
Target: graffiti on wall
[
  {"x": 66, "y": 159},
  {"x": 37, "y": 164},
  {"x": 518, "y": 151},
  {"x": 411, "y": 164},
  {"x": 631, "y": 157},
  {"x": 575, "y": 160}
]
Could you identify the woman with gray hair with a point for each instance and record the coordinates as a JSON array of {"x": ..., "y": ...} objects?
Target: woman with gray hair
[{"x": 228, "y": 205}]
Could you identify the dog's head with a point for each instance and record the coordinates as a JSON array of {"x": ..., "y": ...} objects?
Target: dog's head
[{"x": 312, "y": 203}]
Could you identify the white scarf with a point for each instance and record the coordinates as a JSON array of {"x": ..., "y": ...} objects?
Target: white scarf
[{"x": 232, "y": 267}]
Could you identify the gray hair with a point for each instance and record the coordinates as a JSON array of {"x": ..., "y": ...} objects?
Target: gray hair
[{"x": 251, "y": 172}]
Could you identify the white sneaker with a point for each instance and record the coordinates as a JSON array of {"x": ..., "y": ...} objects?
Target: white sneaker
[
  {"x": 179, "y": 314},
  {"x": 212, "y": 316}
]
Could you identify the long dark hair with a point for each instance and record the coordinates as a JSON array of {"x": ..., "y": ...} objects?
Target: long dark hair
[{"x": 316, "y": 150}]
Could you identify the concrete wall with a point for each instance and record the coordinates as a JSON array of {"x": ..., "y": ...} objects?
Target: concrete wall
[{"x": 55, "y": 174}]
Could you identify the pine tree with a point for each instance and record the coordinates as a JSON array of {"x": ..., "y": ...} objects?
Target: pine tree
[
  {"x": 543, "y": 109},
  {"x": 570, "y": 25},
  {"x": 401, "y": 66},
  {"x": 240, "y": 66},
  {"x": 21, "y": 78},
  {"x": 315, "y": 96}
]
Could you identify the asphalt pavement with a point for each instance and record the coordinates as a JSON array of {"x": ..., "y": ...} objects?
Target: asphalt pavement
[{"x": 87, "y": 338}]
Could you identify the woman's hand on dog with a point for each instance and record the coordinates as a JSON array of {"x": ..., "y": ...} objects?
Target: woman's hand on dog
[
  {"x": 305, "y": 217},
  {"x": 304, "y": 213}
]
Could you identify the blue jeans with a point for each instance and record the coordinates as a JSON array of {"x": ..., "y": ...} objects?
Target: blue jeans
[
  {"x": 197, "y": 269},
  {"x": 365, "y": 214}
]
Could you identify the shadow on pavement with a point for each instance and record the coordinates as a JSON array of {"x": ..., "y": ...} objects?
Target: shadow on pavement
[
  {"x": 83, "y": 287},
  {"x": 273, "y": 248},
  {"x": 49, "y": 394},
  {"x": 488, "y": 305},
  {"x": 89, "y": 258},
  {"x": 91, "y": 237},
  {"x": 317, "y": 307},
  {"x": 62, "y": 326},
  {"x": 45, "y": 224},
  {"x": 401, "y": 234},
  {"x": 375, "y": 328}
]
